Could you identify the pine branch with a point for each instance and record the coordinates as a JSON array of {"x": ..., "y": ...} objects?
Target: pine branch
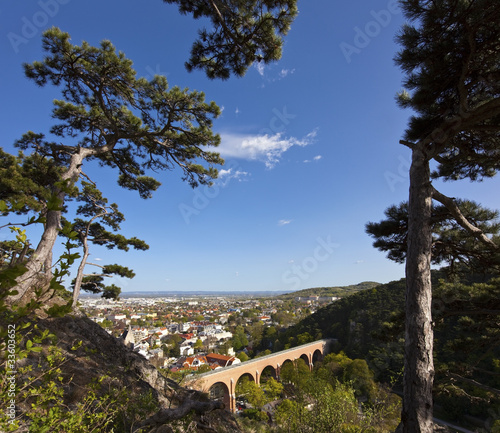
[
  {"x": 450, "y": 204},
  {"x": 474, "y": 383}
]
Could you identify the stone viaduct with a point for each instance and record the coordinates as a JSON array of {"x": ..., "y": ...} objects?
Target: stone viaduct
[{"x": 221, "y": 383}]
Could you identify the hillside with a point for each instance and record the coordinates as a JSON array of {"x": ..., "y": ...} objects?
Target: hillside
[
  {"x": 338, "y": 291},
  {"x": 370, "y": 325}
]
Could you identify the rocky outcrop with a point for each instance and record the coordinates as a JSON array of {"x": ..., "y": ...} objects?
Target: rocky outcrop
[{"x": 99, "y": 355}]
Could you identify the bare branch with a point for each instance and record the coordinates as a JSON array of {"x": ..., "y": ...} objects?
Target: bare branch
[
  {"x": 407, "y": 144},
  {"x": 164, "y": 416}
]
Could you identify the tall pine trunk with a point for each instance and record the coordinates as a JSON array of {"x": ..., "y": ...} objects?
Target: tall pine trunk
[{"x": 419, "y": 365}]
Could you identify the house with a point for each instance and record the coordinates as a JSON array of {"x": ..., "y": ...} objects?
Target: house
[
  {"x": 186, "y": 350},
  {"x": 213, "y": 360},
  {"x": 222, "y": 360},
  {"x": 115, "y": 317}
]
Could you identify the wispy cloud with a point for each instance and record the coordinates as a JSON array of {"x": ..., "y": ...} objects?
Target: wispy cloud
[
  {"x": 265, "y": 148},
  {"x": 284, "y": 222},
  {"x": 316, "y": 158},
  {"x": 269, "y": 74},
  {"x": 226, "y": 176},
  {"x": 260, "y": 68},
  {"x": 285, "y": 72}
]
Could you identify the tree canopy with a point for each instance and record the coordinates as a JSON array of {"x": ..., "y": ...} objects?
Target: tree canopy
[{"x": 132, "y": 125}]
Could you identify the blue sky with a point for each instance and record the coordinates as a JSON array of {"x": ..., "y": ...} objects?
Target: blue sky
[{"x": 311, "y": 145}]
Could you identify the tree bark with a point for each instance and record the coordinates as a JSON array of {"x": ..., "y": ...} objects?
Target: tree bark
[
  {"x": 79, "y": 274},
  {"x": 419, "y": 366}
]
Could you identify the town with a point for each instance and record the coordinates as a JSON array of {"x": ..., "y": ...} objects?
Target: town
[{"x": 197, "y": 334}]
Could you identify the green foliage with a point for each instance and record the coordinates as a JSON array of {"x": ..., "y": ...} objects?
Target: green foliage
[
  {"x": 454, "y": 95},
  {"x": 242, "y": 356},
  {"x": 255, "y": 414},
  {"x": 339, "y": 291},
  {"x": 239, "y": 340},
  {"x": 356, "y": 321},
  {"x": 252, "y": 392},
  {"x": 326, "y": 406},
  {"x": 242, "y": 33},
  {"x": 370, "y": 326},
  {"x": 452, "y": 244},
  {"x": 467, "y": 351},
  {"x": 26, "y": 182},
  {"x": 273, "y": 389},
  {"x": 33, "y": 384},
  {"x": 120, "y": 139}
]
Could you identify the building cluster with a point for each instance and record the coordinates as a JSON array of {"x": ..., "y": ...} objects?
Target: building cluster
[
  {"x": 196, "y": 328},
  {"x": 316, "y": 299}
]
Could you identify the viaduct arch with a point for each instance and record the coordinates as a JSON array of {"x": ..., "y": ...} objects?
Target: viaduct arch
[{"x": 222, "y": 382}]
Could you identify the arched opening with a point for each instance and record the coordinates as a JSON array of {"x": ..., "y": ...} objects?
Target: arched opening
[
  {"x": 242, "y": 390},
  {"x": 317, "y": 356},
  {"x": 268, "y": 373},
  {"x": 219, "y": 391},
  {"x": 305, "y": 358},
  {"x": 285, "y": 370}
]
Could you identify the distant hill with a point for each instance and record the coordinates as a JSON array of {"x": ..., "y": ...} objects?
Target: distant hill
[{"x": 339, "y": 291}]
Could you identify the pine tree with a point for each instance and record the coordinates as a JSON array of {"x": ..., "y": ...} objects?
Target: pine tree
[
  {"x": 130, "y": 124},
  {"x": 101, "y": 218},
  {"x": 450, "y": 55}
]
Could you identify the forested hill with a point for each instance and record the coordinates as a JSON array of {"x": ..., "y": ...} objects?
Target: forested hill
[
  {"x": 370, "y": 325},
  {"x": 339, "y": 291},
  {"x": 355, "y": 321}
]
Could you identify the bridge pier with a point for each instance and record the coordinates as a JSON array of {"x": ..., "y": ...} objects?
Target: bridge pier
[{"x": 231, "y": 403}]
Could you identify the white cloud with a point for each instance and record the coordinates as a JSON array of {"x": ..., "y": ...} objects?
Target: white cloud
[
  {"x": 260, "y": 68},
  {"x": 284, "y": 222},
  {"x": 271, "y": 76},
  {"x": 316, "y": 158},
  {"x": 225, "y": 176},
  {"x": 284, "y": 72},
  {"x": 265, "y": 148}
]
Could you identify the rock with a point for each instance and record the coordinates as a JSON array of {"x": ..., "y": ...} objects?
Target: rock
[{"x": 102, "y": 355}]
